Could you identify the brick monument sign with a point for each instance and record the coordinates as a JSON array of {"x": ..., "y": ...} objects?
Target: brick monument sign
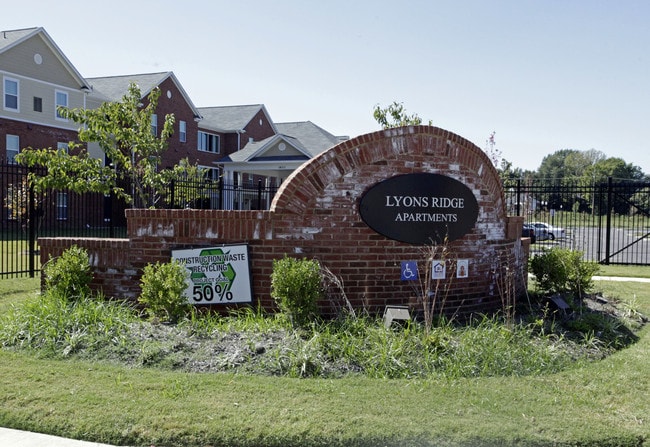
[{"x": 381, "y": 211}]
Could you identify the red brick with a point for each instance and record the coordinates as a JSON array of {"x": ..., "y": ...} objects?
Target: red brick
[{"x": 316, "y": 216}]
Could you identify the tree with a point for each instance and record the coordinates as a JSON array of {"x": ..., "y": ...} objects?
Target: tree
[
  {"x": 641, "y": 202},
  {"x": 395, "y": 116},
  {"x": 17, "y": 203},
  {"x": 618, "y": 170},
  {"x": 554, "y": 166},
  {"x": 613, "y": 167},
  {"x": 186, "y": 178},
  {"x": 123, "y": 132},
  {"x": 578, "y": 162}
]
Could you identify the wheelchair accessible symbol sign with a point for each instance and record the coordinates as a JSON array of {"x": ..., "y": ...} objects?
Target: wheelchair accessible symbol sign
[{"x": 409, "y": 271}]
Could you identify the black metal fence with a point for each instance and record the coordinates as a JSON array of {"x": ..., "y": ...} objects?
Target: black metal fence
[
  {"x": 608, "y": 221},
  {"x": 219, "y": 195},
  {"x": 26, "y": 215}
]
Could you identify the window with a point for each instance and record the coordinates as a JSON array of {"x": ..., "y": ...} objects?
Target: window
[
  {"x": 208, "y": 142},
  {"x": 211, "y": 174},
  {"x": 38, "y": 104},
  {"x": 13, "y": 147},
  {"x": 154, "y": 124},
  {"x": 11, "y": 94},
  {"x": 62, "y": 146},
  {"x": 60, "y": 100},
  {"x": 62, "y": 206},
  {"x": 182, "y": 131}
]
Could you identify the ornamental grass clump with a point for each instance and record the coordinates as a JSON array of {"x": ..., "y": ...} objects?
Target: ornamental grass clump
[{"x": 57, "y": 327}]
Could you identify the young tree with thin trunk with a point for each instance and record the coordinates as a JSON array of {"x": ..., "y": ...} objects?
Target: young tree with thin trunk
[{"x": 123, "y": 131}]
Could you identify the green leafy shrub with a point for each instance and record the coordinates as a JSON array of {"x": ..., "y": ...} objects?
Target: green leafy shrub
[
  {"x": 162, "y": 291},
  {"x": 296, "y": 288},
  {"x": 560, "y": 270},
  {"x": 69, "y": 275}
]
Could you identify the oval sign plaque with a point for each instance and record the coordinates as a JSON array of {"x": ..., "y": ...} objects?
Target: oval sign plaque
[{"x": 420, "y": 208}]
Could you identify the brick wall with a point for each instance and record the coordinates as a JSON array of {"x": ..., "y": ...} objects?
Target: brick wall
[
  {"x": 33, "y": 135},
  {"x": 315, "y": 215}
]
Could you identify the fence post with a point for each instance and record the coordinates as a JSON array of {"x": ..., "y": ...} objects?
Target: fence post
[
  {"x": 109, "y": 212},
  {"x": 220, "y": 188},
  {"x": 172, "y": 191},
  {"x": 608, "y": 236},
  {"x": 600, "y": 219},
  {"x": 518, "y": 197},
  {"x": 259, "y": 194},
  {"x": 31, "y": 217}
]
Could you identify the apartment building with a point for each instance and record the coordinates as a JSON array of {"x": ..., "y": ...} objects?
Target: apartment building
[
  {"x": 36, "y": 79},
  {"x": 240, "y": 143}
]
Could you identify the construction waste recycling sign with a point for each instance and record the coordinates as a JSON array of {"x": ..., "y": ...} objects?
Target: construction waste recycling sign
[{"x": 217, "y": 275}]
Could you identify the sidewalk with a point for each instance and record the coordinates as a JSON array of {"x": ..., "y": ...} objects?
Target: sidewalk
[
  {"x": 620, "y": 278},
  {"x": 17, "y": 438}
]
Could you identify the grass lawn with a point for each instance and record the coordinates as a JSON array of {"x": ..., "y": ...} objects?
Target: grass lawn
[
  {"x": 603, "y": 403},
  {"x": 634, "y": 271},
  {"x": 14, "y": 291}
]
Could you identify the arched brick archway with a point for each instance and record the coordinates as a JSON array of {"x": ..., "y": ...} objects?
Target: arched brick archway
[
  {"x": 322, "y": 199},
  {"x": 424, "y": 148}
]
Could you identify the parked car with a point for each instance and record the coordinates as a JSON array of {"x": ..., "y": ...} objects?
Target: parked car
[
  {"x": 529, "y": 231},
  {"x": 553, "y": 232},
  {"x": 541, "y": 234}
]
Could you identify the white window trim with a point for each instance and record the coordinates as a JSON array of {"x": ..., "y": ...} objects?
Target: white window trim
[
  {"x": 218, "y": 139},
  {"x": 211, "y": 173},
  {"x": 182, "y": 131},
  {"x": 56, "y": 104},
  {"x": 14, "y": 151},
  {"x": 61, "y": 206},
  {"x": 154, "y": 124},
  {"x": 4, "y": 94}
]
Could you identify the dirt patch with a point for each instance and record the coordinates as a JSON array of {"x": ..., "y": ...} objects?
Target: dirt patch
[{"x": 594, "y": 328}]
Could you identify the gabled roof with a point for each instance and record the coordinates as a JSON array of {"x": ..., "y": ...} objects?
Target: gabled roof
[
  {"x": 314, "y": 138},
  {"x": 113, "y": 88},
  {"x": 232, "y": 118},
  {"x": 305, "y": 136},
  {"x": 12, "y": 38},
  {"x": 255, "y": 150},
  {"x": 9, "y": 38}
]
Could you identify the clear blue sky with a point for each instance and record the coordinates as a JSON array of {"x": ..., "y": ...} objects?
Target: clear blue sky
[{"x": 544, "y": 75}]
